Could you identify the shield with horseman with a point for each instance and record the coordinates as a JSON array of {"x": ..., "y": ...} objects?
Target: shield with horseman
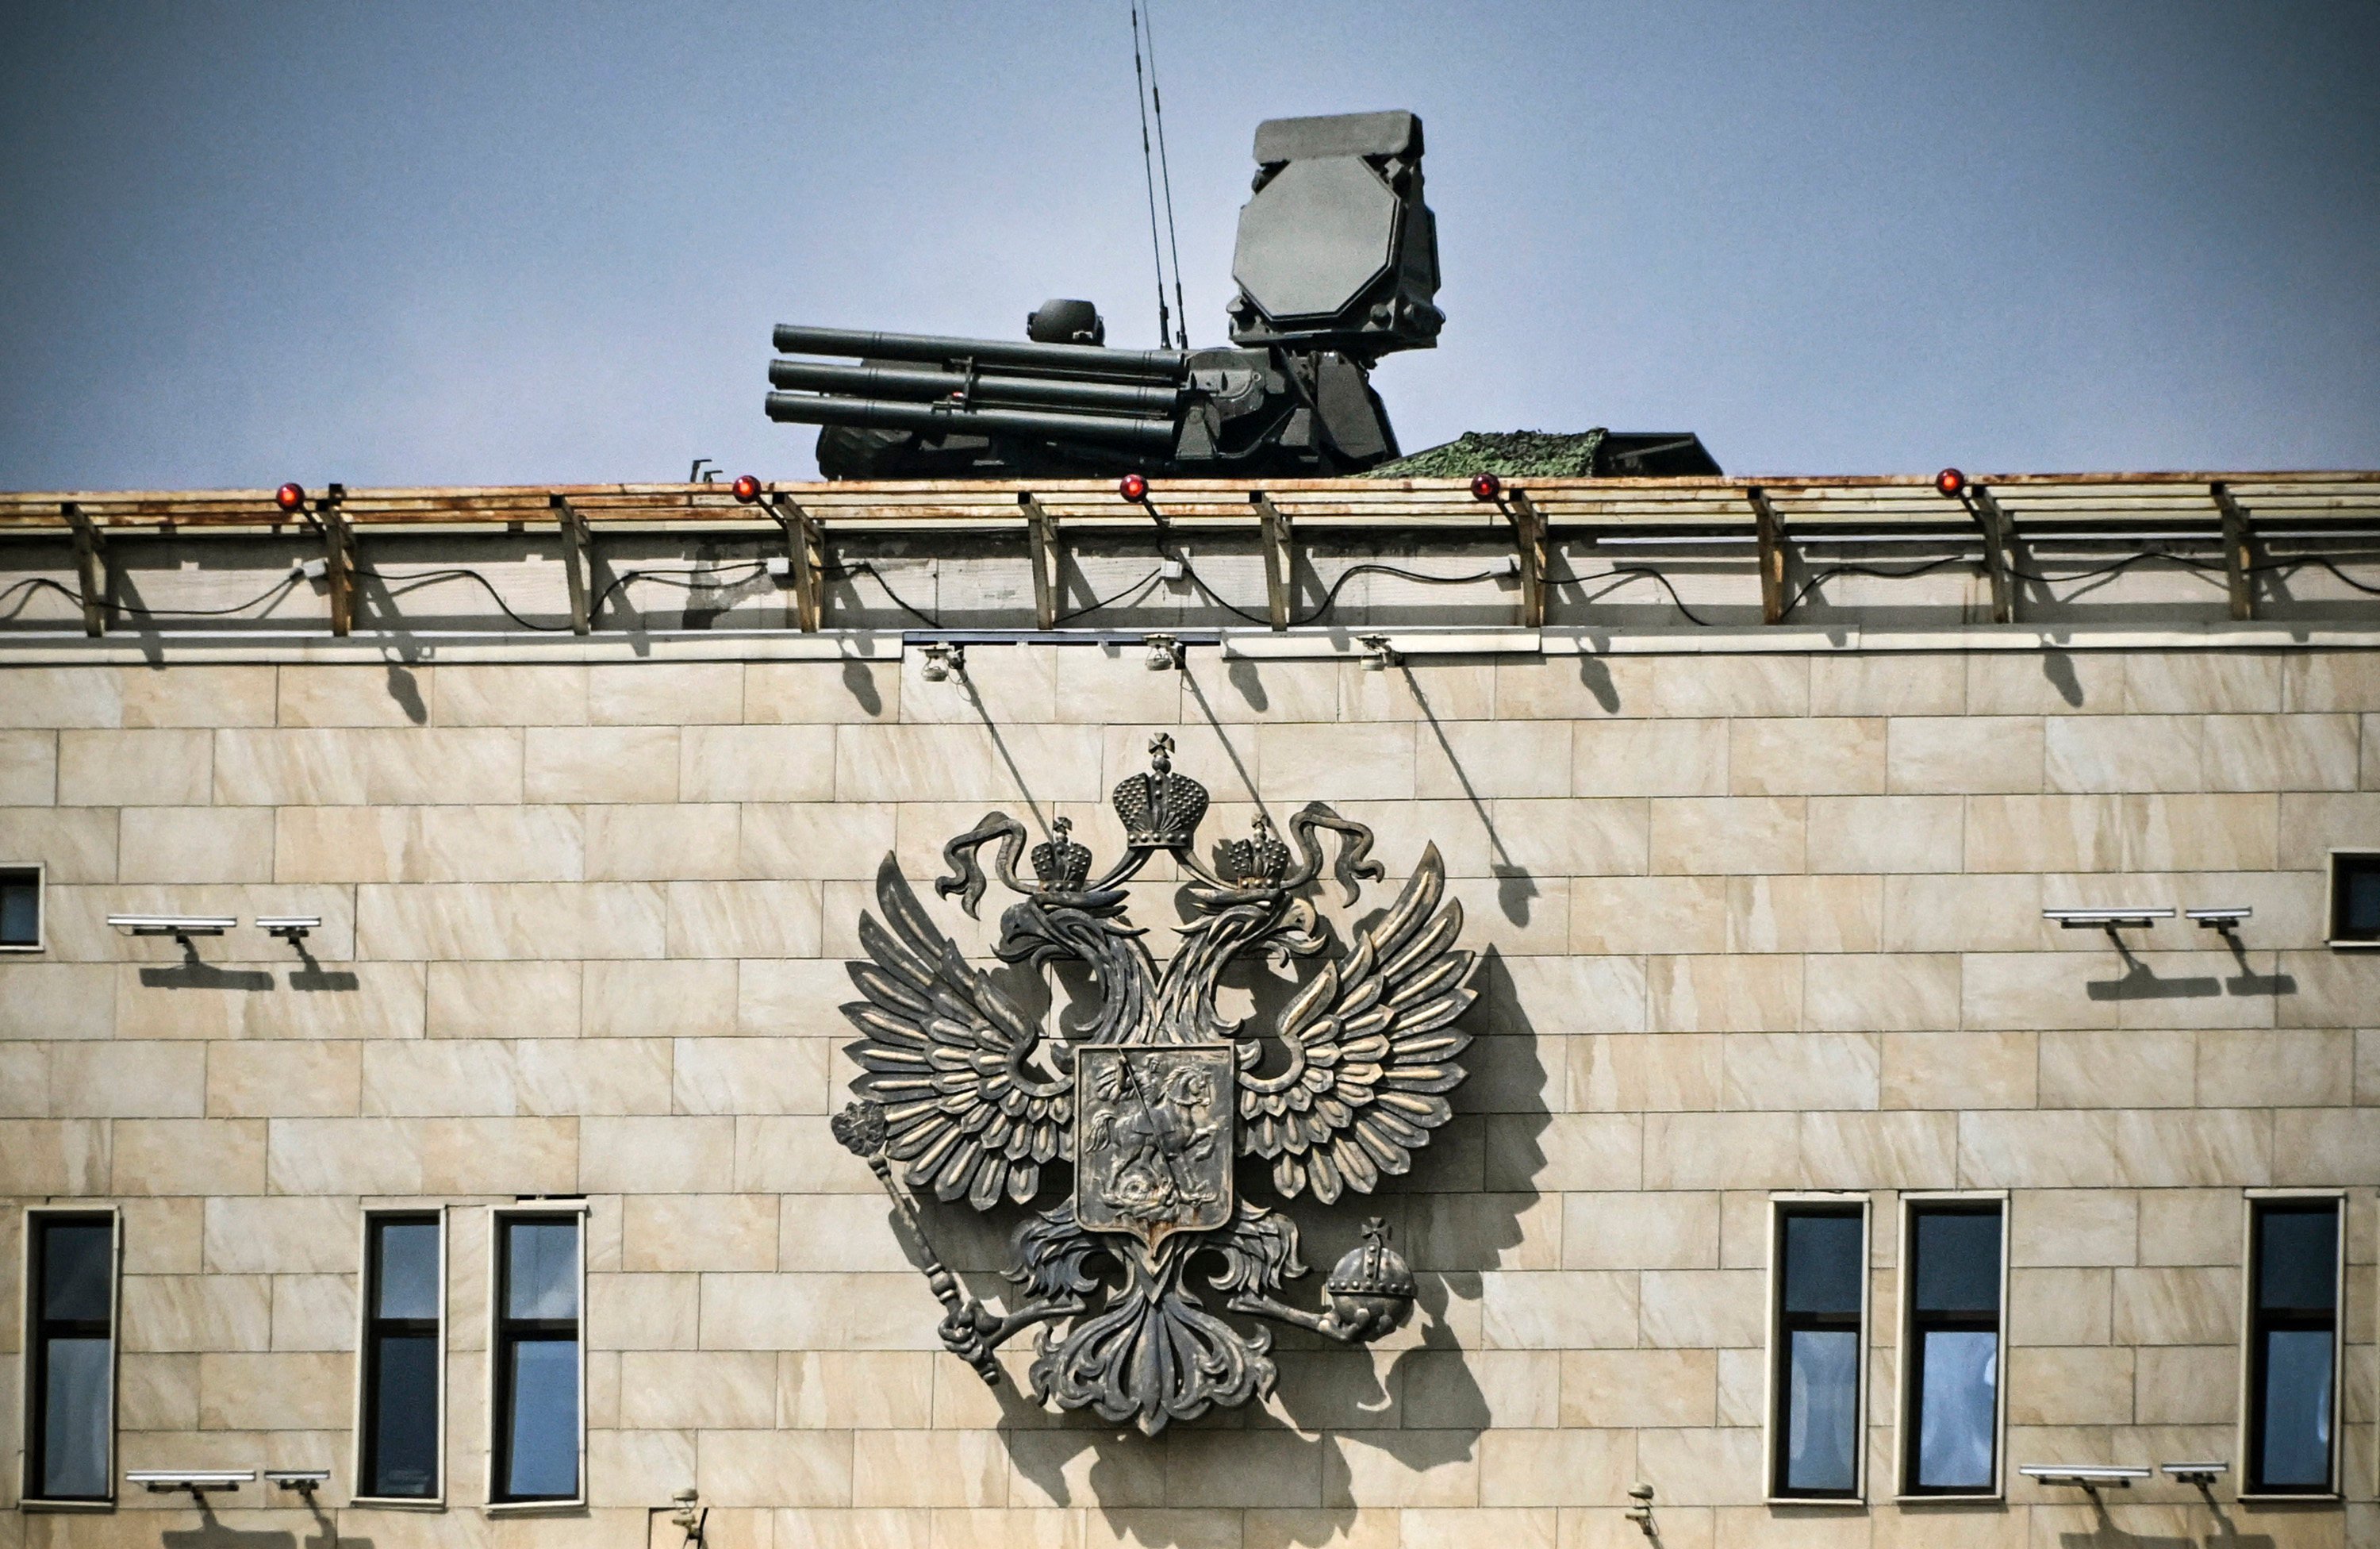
[{"x": 1154, "y": 1144}]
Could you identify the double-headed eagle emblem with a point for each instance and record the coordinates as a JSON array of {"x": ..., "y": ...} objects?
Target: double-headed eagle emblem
[{"x": 1160, "y": 1103}]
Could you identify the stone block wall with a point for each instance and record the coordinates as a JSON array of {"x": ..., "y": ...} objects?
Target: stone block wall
[{"x": 1754, "y": 923}]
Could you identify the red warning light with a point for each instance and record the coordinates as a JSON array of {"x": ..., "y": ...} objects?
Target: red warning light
[
  {"x": 290, "y": 497},
  {"x": 1133, "y": 487},
  {"x": 746, "y": 489},
  {"x": 1486, "y": 486},
  {"x": 1951, "y": 482}
]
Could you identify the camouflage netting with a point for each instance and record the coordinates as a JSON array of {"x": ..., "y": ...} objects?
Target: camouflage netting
[{"x": 1506, "y": 454}]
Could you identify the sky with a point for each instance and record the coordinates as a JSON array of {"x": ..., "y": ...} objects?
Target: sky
[{"x": 412, "y": 242}]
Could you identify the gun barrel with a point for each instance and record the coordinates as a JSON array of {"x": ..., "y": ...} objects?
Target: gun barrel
[
  {"x": 1071, "y": 360},
  {"x": 1019, "y": 392},
  {"x": 1155, "y": 435}
]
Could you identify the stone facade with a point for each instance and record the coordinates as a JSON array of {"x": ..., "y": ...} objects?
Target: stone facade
[{"x": 1757, "y": 921}]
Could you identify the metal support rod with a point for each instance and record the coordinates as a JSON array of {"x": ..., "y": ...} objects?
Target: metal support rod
[
  {"x": 1771, "y": 534},
  {"x": 92, "y": 570},
  {"x": 806, "y": 546},
  {"x": 1998, "y": 536},
  {"x": 338, "y": 558},
  {"x": 1042, "y": 530},
  {"x": 1529, "y": 540},
  {"x": 575, "y": 546},
  {"x": 1279, "y": 556},
  {"x": 2238, "y": 553}
]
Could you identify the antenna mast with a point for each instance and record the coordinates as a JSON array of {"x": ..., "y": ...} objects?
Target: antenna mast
[
  {"x": 1149, "y": 181},
  {"x": 1165, "y": 172}
]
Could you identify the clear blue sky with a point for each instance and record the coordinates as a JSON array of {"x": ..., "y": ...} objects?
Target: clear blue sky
[{"x": 416, "y": 242}]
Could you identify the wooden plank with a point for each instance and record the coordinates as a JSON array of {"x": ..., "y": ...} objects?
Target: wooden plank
[
  {"x": 1771, "y": 533},
  {"x": 575, "y": 563},
  {"x": 806, "y": 545},
  {"x": 1043, "y": 530},
  {"x": 338, "y": 559},
  {"x": 2237, "y": 552},
  {"x": 1280, "y": 557},
  {"x": 92, "y": 570},
  {"x": 1995, "y": 523},
  {"x": 1529, "y": 540}
]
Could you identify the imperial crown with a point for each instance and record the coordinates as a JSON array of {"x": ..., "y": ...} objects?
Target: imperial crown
[
  {"x": 1059, "y": 861},
  {"x": 1161, "y": 809},
  {"x": 1258, "y": 859}
]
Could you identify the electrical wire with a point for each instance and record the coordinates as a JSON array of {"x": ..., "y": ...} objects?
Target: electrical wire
[
  {"x": 1832, "y": 571},
  {"x": 1165, "y": 171},
  {"x": 862, "y": 567},
  {"x": 1130, "y": 592},
  {"x": 423, "y": 578},
  {"x": 32, "y": 584}
]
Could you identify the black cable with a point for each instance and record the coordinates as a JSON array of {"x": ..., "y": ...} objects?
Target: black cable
[
  {"x": 1331, "y": 594},
  {"x": 686, "y": 580},
  {"x": 861, "y": 567},
  {"x": 271, "y": 594},
  {"x": 1832, "y": 571},
  {"x": 2330, "y": 566},
  {"x": 1134, "y": 591},
  {"x": 1631, "y": 572},
  {"x": 30, "y": 582},
  {"x": 423, "y": 578}
]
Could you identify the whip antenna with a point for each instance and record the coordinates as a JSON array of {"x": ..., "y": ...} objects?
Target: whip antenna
[
  {"x": 1149, "y": 180},
  {"x": 1165, "y": 172}
]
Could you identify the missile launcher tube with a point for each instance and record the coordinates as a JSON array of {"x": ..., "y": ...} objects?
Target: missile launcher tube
[
  {"x": 1094, "y": 362},
  {"x": 1000, "y": 391},
  {"x": 1155, "y": 435}
]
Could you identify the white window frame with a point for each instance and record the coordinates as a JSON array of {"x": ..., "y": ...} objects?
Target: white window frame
[
  {"x": 436, "y": 1501},
  {"x": 2330, "y": 919},
  {"x": 2251, "y": 1198},
  {"x": 1778, "y": 1203},
  {"x": 497, "y": 1217},
  {"x": 1905, "y": 1316},
  {"x": 41, "y": 942},
  {"x": 30, "y": 1310}
]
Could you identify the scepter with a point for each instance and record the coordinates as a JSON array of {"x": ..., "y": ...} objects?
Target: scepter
[{"x": 860, "y": 1127}]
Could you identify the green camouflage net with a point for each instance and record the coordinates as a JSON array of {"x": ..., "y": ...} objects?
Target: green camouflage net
[{"x": 1506, "y": 454}]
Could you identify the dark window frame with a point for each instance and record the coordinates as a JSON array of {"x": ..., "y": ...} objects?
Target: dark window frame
[
  {"x": 39, "y": 871},
  {"x": 506, "y": 1333},
  {"x": 2344, "y": 861},
  {"x": 39, "y": 1330},
  {"x": 370, "y": 1329},
  {"x": 2258, "y": 1321},
  {"x": 1914, "y": 1326},
  {"x": 1783, "y": 1326}
]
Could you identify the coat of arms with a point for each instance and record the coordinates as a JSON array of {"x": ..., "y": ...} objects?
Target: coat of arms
[{"x": 1162, "y": 1106}]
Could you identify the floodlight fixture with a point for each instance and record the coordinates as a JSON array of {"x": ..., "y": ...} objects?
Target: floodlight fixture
[
  {"x": 2225, "y": 920},
  {"x": 1379, "y": 653},
  {"x": 200, "y": 1483},
  {"x": 181, "y": 927},
  {"x": 2204, "y": 1475},
  {"x": 943, "y": 659},
  {"x": 2093, "y": 1477},
  {"x": 2117, "y": 918},
  {"x": 303, "y": 1481},
  {"x": 1164, "y": 652},
  {"x": 291, "y": 928}
]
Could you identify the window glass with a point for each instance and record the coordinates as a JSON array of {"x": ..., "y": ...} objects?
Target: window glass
[
  {"x": 1822, "y": 1263},
  {"x": 407, "y": 1270},
  {"x": 20, "y": 909},
  {"x": 1958, "y": 1260},
  {"x": 72, "y": 1406},
  {"x": 544, "y": 1418},
  {"x": 2299, "y": 1266},
  {"x": 1957, "y": 1406},
  {"x": 2296, "y": 1450},
  {"x": 541, "y": 1279},
  {"x": 404, "y": 1416},
  {"x": 2355, "y": 897},
  {"x": 75, "y": 1418},
  {"x": 2293, "y": 1347},
  {"x": 1950, "y": 1428}
]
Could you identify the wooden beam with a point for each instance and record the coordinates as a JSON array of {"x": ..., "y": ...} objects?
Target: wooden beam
[
  {"x": 2237, "y": 552},
  {"x": 1041, "y": 529},
  {"x": 91, "y": 570},
  {"x": 1272, "y": 528},
  {"x": 1529, "y": 540},
  {"x": 575, "y": 562},
  {"x": 338, "y": 558},
  {"x": 1997, "y": 537},
  {"x": 806, "y": 546},
  {"x": 1773, "y": 554}
]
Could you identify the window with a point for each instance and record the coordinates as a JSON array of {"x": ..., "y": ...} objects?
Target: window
[
  {"x": 2292, "y": 1411},
  {"x": 2354, "y": 897},
  {"x": 70, "y": 1355},
  {"x": 1817, "y": 1302},
  {"x": 20, "y": 909},
  {"x": 1950, "y": 1352},
  {"x": 538, "y": 1376},
  {"x": 402, "y": 1397}
]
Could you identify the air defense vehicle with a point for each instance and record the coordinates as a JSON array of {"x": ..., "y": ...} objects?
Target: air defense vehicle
[{"x": 1336, "y": 266}]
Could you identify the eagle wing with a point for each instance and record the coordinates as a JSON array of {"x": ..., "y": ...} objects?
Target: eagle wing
[
  {"x": 1372, "y": 1049},
  {"x": 945, "y": 1050}
]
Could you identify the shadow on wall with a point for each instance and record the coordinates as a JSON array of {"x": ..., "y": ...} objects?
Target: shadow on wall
[
  {"x": 213, "y": 1533},
  {"x": 1338, "y": 1417},
  {"x": 2105, "y": 1532}
]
